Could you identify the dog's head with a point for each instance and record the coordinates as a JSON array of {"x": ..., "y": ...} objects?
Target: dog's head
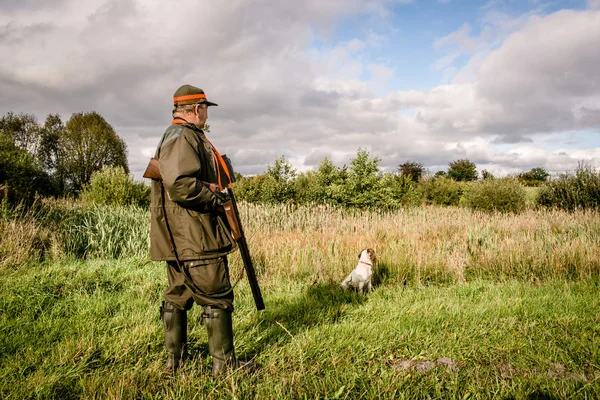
[{"x": 370, "y": 253}]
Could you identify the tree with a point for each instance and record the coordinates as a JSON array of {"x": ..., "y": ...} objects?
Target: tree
[
  {"x": 485, "y": 175},
  {"x": 279, "y": 187},
  {"x": 462, "y": 170},
  {"x": 412, "y": 170},
  {"x": 87, "y": 144},
  {"x": 363, "y": 180},
  {"x": 24, "y": 131},
  {"x": 534, "y": 177},
  {"x": 20, "y": 174},
  {"x": 281, "y": 170},
  {"x": 50, "y": 134}
]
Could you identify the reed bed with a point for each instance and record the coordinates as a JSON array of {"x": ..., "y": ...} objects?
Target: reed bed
[
  {"x": 428, "y": 244},
  {"x": 425, "y": 244}
]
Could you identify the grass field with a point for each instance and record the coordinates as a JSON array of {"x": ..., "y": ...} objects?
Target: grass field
[{"x": 466, "y": 305}]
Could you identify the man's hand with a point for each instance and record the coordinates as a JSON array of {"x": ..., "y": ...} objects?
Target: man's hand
[{"x": 222, "y": 196}]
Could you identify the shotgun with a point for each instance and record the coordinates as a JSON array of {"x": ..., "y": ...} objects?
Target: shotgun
[{"x": 235, "y": 224}]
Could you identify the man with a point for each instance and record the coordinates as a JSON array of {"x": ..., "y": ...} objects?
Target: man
[{"x": 190, "y": 232}]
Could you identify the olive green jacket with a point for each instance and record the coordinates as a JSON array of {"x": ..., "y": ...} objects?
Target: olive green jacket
[{"x": 195, "y": 216}]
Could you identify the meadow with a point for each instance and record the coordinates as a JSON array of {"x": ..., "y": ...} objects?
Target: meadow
[{"x": 466, "y": 305}]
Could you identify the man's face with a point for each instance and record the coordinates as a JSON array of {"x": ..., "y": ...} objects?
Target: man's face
[{"x": 200, "y": 115}]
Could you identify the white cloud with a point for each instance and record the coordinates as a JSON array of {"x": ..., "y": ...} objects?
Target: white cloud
[{"x": 280, "y": 95}]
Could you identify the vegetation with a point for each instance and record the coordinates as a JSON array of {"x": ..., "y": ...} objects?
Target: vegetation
[
  {"x": 412, "y": 170},
  {"x": 467, "y": 304},
  {"x": 442, "y": 191},
  {"x": 494, "y": 299},
  {"x": 88, "y": 143},
  {"x": 55, "y": 159},
  {"x": 573, "y": 191},
  {"x": 361, "y": 185},
  {"x": 504, "y": 195},
  {"x": 534, "y": 177},
  {"x": 113, "y": 187},
  {"x": 462, "y": 170}
]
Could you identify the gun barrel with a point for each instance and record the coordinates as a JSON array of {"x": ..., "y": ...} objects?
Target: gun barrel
[{"x": 245, "y": 253}]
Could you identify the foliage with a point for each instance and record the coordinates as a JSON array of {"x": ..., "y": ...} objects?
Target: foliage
[
  {"x": 21, "y": 175},
  {"x": 249, "y": 188},
  {"x": 462, "y": 170},
  {"x": 113, "y": 187},
  {"x": 362, "y": 184},
  {"x": 534, "y": 177},
  {"x": 412, "y": 170},
  {"x": 398, "y": 191},
  {"x": 23, "y": 131},
  {"x": 87, "y": 144},
  {"x": 503, "y": 195},
  {"x": 572, "y": 191},
  {"x": 442, "y": 191},
  {"x": 503, "y": 281},
  {"x": 279, "y": 185},
  {"x": 485, "y": 174}
]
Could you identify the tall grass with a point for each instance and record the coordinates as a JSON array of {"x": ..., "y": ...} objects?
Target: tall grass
[
  {"x": 56, "y": 230},
  {"x": 90, "y": 329},
  {"x": 429, "y": 244}
]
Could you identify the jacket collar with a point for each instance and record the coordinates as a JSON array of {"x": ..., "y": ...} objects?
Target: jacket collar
[{"x": 181, "y": 121}]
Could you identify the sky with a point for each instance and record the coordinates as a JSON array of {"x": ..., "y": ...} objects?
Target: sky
[{"x": 509, "y": 84}]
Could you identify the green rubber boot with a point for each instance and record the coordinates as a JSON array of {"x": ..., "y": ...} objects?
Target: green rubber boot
[
  {"x": 175, "y": 324},
  {"x": 220, "y": 339}
]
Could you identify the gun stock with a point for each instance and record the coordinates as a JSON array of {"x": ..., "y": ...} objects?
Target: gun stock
[{"x": 152, "y": 170}]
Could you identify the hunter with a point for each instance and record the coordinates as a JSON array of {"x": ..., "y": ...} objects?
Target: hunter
[{"x": 190, "y": 232}]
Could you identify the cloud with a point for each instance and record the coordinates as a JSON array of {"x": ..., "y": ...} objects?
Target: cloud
[
  {"x": 285, "y": 88},
  {"x": 594, "y": 4}
]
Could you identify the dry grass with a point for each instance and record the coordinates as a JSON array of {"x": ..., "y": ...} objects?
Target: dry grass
[
  {"x": 424, "y": 244},
  {"x": 320, "y": 244}
]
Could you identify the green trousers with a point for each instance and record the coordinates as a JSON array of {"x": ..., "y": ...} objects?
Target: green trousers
[{"x": 205, "y": 282}]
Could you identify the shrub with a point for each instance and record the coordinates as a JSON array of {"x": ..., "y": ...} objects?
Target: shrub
[
  {"x": 462, "y": 170},
  {"x": 535, "y": 177},
  {"x": 112, "y": 186},
  {"x": 398, "y": 190},
  {"x": 442, "y": 191},
  {"x": 504, "y": 195},
  {"x": 569, "y": 192}
]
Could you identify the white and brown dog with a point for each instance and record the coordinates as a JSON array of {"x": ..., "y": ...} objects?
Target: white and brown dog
[{"x": 360, "y": 277}]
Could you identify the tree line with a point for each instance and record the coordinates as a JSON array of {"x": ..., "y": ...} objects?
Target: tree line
[
  {"x": 362, "y": 184},
  {"x": 55, "y": 158},
  {"x": 85, "y": 158}
]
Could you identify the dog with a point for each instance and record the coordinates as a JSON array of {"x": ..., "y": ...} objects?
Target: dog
[{"x": 360, "y": 277}]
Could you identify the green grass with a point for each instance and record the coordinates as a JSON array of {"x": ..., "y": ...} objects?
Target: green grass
[{"x": 76, "y": 329}]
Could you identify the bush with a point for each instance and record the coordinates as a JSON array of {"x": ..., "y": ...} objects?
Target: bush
[
  {"x": 442, "y": 191},
  {"x": 112, "y": 186},
  {"x": 504, "y": 195},
  {"x": 462, "y": 170},
  {"x": 397, "y": 191},
  {"x": 569, "y": 192}
]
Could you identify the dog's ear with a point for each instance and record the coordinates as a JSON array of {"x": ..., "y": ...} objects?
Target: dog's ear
[
  {"x": 359, "y": 254},
  {"x": 372, "y": 255}
]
